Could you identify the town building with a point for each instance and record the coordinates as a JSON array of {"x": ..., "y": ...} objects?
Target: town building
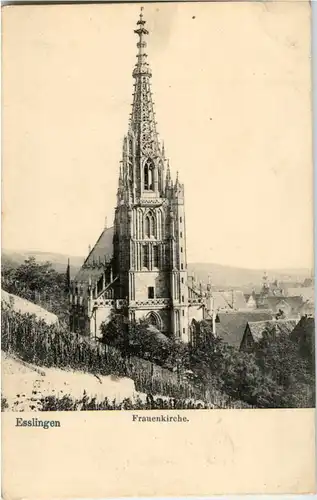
[{"x": 255, "y": 331}]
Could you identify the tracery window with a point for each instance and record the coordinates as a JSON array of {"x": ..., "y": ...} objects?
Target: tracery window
[
  {"x": 149, "y": 175},
  {"x": 145, "y": 256},
  {"x": 149, "y": 225}
]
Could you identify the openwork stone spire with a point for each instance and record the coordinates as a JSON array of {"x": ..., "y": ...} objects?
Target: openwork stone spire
[{"x": 142, "y": 121}]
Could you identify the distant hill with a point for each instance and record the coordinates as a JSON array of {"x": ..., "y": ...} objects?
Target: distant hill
[
  {"x": 244, "y": 279},
  {"x": 14, "y": 258},
  {"x": 222, "y": 277}
]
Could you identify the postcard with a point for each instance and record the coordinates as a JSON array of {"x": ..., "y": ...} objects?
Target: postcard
[{"x": 158, "y": 324}]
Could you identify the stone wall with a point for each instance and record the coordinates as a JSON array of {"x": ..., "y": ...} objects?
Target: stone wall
[
  {"x": 159, "y": 280},
  {"x": 195, "y": 312},
  {"x": 99, "y": 316}
]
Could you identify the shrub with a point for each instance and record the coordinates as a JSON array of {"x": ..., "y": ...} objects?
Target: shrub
[{"x": 66, "y": 403}]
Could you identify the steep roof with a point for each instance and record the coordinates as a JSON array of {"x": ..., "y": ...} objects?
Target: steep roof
[
  {"x": 308, "y": 308},
  {"x": 305, "y": 327},
  {"x": 282, "y": 326},
  {"x": 295, "y": 302},
  {"x": 230, "y": 326},
  {"x": 307, "y": 293},
  {"x": 236, "y": 299},
  {"x": 220, "y": 302},
  {"x": 100, "y": 253},
  {"x": 273, "y": 303},
  {"x": 308, "y": 282},
  {"x": 304, "y": 334},
  {"x": 285, "y": 285},
  {"x": 229, "y": 300}
]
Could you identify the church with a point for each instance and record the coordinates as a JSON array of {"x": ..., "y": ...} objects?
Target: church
[{"x": 138, "y": 267}]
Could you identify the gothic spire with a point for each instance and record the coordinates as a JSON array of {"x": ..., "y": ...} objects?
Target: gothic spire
[
  {"x": 142, "y": 120},
  {"x": 142, "y": 67},
  {"x": 168, "y": 176}
]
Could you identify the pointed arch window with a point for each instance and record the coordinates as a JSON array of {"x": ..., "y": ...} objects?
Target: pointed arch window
[
  {"x": 149, "y": 175},
  {"x": 145, "y": 256},
  {"x": 149, "y": 225},
  {"x": 155, "y": 256}
]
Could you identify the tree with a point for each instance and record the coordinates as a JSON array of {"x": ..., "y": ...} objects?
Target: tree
[
  {"x": 38, "y": 282},
  {"x": 136, "y": 339},
  {"x": 115, "y": 332},
  {"x": 279, "y": 358},
  {"x": 253, "y": 378},
  {"x": 149, "y": 343}
]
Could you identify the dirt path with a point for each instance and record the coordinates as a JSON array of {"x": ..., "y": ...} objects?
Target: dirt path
[{"x": 23, "y": 386}]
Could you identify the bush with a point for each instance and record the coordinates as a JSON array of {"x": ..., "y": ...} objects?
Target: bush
[{"x": 66, "y": 403}]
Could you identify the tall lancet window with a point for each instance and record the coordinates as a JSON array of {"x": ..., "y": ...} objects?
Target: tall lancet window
[
  {"x": 156, "y": 256},
  {"x": 149, "y": 225},
  {"x": 149, "y": 175},
  {"x": 145, "y": 256}
]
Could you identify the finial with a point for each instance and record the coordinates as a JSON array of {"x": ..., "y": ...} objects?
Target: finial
[
  {"x": 142, "y": 67},
  {"x": 163, "y": 149},
  {"x": 168, "y": 175},
  {"x": 106, "y": 222},
  {"x": 141, "y": 31},
  {"x": 89, "y": 249}
]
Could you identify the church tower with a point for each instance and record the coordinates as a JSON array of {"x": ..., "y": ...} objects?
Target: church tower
[{"x": 149, "y": 241}]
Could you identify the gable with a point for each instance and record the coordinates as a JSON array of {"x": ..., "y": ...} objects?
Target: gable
[
  {"x": 281, "y": 327},
  {"x": 283, "y": 305},
  {"x": 230, "y": 326}
]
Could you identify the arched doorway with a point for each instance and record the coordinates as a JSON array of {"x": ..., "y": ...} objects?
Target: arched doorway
[{"x": 154, "y": 319}]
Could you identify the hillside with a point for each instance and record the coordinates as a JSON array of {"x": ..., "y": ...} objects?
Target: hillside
[
  {"x": 245, "y": 279},
  {"x": 24, "y": 306},
  {"x": 59, "y": 261},
  {"x": 26, "y": 384},
  {"x": 222, "y": 276}
]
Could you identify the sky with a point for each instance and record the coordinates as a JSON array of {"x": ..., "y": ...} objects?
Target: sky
[{"x": 232, "y": 93}]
